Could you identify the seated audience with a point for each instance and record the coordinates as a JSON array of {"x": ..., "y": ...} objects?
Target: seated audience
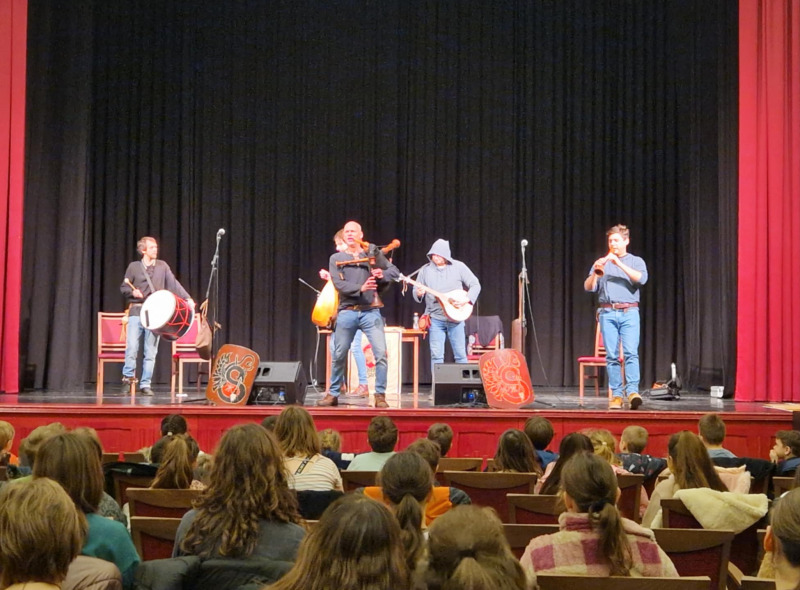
[
  {"x": 441, "y": 434},
  {"x": 41, "y": 532},
  {"x": 631, "y": 454},
  {"x": 594, "y": 539},
  {"x": 604, "y": 445},
  {"x": 782, "y": 543},
  {"x": 355, "y": 546},
  {"x": 786, "y": 452},
  {"x": 382, "y": 437},
  {"x": 690, "y": 467},
  {"x": 540, "y": 431},
  {"x": 308, "y": 469},
  {"x": 467, "y": 548},
  {"x": 202, "y": 473},
  {"x": 72, "y": 460},
  {"x": 247, "y": 510},
  {"x": 7, "y": 433},
  {"x": 269, "y": 422},
  {"x": 171, "y": 424},
  {"x": 515, "y": 453},
  {"x": 429, "y": 450},
  {"x": 712, "y": 432},
  {"x": 29, "y": 445},
  {"x": 331, "y": 442},
  {"x": 176, "y": 469},
  {"x": 108, "y": 506},
  {"x": 574, "y": 442}
]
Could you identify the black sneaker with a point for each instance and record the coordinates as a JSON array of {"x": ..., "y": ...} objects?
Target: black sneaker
[{"x": 146, "y": 391}]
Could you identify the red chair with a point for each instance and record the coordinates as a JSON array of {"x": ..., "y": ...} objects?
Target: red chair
[
  {"x": 184, "y": 351},
  {"x": 630, "y": 487},
  {"x": 534, "y": 508},
  {"x": 596, "y": 361},
  {"x": 520, "y": 535},
  {"x": 484, "y": 334},
  {"x": 490, "y": 489},
  {"x": 160, "y": 502},
  {"x": 154, "y": 537},
  {"x": 110, "y": 343},
  {"x": 698, "y": 552}
]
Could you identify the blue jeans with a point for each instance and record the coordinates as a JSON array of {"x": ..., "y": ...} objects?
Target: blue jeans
[
  {"x": 348, "y": 322},
  {"x": 452, "y": 331},
  {"x": 358, "y": 356},
  {"x": 616, "y": 324},
  {"x": 135, "y": 331}
]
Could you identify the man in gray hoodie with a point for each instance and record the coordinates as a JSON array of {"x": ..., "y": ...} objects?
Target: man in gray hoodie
[{"x": 445, "y": 274}]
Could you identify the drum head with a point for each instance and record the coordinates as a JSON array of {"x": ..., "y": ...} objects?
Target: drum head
[{"x": 158, "y": 309}]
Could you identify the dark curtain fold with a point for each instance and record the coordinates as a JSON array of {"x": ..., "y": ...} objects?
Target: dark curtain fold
[
  {"x": 480, "y": 122},
  {"x": 13, "y": 46},
  {"x": 769, "y": 184}
]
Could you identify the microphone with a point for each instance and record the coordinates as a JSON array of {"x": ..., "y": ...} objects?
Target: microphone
[
  {"x": 523, "y": 243},
  {"x": 220, "y": 233}
]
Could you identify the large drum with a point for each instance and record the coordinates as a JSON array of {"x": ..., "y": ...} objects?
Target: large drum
[{"x": 166, "y": 314}]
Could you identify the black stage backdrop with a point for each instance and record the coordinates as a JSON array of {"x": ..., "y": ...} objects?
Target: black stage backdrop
[{"x": 480, "y": 122}]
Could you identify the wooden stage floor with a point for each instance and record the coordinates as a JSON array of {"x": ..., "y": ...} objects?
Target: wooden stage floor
[{"x": 127, "y": 423}]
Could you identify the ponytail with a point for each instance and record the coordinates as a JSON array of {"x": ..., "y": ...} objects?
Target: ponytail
[
  {"x": 409, "y": 514},
  {"x": 613, "y": 540}
]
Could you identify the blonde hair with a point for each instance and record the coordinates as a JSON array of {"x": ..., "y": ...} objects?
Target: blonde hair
[
  {"x": 296, "y": 432},
  {"x": 636, "y": 438},
  {"x": 330, "y": 440},
  {"x": 6, "y": 434},
  {"x": 604, "y": 445}
]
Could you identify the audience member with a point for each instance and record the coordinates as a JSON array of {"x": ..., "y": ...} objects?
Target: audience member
[
  {"x": 308, "y": 469},
  {"x": 108, "y": 506},
  {"x": 247, "y": 510},
  {"x": 382, "y": 437},
  {"x": 690, "y": 467},
  {"x": 442, "y": 434},
  {"x": 41, "y": 531},
  {"x": 6, "y": 440},
  {"x": 202, "y": 473},
  {"x": 467, "y": 548},
  {"x": 540, "y": 431},
  {"x": 594, "y": 539},
  {"x": 429, "y": 450},
  {"x": 631, "y": 453},
  {"x": 574, "y": 442},
  {"x": 604, "y": 445},
  {"x": 515, "y": 453},
  {"x": 712, "y": 433},
  {"x": 786, "y": 452},
  {"x": 72, "y": 460},
  {"x": 331, "y": 442},
  {"x": 355, "y": 545},
  {"x": 176, "y": 469},
  {"x": 782, "y": 543},
  {"x": 171, "y": 424},
  {"x": 29, "y": 445},
  {"x": 270, "y": 421}
]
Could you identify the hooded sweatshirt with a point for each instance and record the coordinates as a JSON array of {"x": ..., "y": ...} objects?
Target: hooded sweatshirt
[{"x": 453, "y": 275}]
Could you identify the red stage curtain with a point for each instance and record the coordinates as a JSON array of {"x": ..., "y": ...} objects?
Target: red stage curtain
[
  {"x": 768, "y": 340},
  {"x": 13, "y": 39}
]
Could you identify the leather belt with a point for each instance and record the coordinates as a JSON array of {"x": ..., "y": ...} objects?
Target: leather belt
[
  {"x": 618, "y": 305},
  {"x": 360, "y": 307}
]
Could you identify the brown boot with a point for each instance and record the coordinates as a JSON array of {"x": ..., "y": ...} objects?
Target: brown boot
[
  {"x": 328, "y": 400},
  {"x": 360, "y": 391},
  {"x": 380, "y": 401}
]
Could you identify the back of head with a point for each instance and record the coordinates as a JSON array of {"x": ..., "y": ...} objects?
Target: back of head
[
  {"x": 690, "y": 463},
  {"x": 572, "y": 444},
  {"x": 592, "y": 485},
  {"x": 176, "y": 469},
  {"x": 515, "y": 453},
  {"x": 29, "y": 445},
  {"x": 382, "y": 434},
  {"x": 71, "y": 460},
  {"x": 604, "y": 445},
  {"x": 467, "y": 549},
  {"x": 358, "y": 541},
  {"x": 297, "y": 433},
  {"x": 785, "y": 523},
  {"x": 428, "y": 450},
  {"x": 330, "y": 440},
  {"x": 269, "y": 421},
  {"x": 6, "y": 434},
  {"x": 711, "y": 428},
  {"x": 30, "y": 513},
  {"x": 248, "y": 483},
  {"x": 635, "y": 438},
  {"x": 540, "y": 431},
  {"x": 442, "y": 434},
  {"x": 173, "y": 424}
]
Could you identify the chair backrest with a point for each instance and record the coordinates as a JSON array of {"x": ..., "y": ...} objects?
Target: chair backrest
[
  {"x": 154, "y": 537},
  {"x": 134, "y": 457},
  {"x": 460, "y": 463},
  {"x": 109, "y": 458},
  {"x": 490, "y": 489},
  {"x": 109, "y": 329},
  {"x": 675, "y": 515},
  {"x": 186, "y": 343},
  {"x": 698, "y": 552},
  {"x": 352, "y": 480},
  {"x": 559, "y": 582},
  {"x": 738, "y": 581},
  {"x": 313, "y": 503},
  {"x": 599, "y": 347},
  {"x": 630, "y": 499},
  {"x": 519, "y": 535},
  {"x": 160, "y": 502},
  {"x": 534, "y": 508},
  {"x": 123, "y": 481},
  {"x": 781, "y": 485}
]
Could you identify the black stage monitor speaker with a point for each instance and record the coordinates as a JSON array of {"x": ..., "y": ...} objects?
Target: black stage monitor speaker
[
  {"x": 457, "y": 383},
  {"x": 279, "y": 384}
]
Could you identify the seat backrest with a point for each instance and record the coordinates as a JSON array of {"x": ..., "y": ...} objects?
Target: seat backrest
[
  {"x": 134, "y": 457},
  {"x": 352, "y": 480},
  {"x": 109, "y": 330},
  {"x": 675, "y": 515},
  {"x": 154, "y": 537},
  {"x": 630, "y": 486},
  {"x": 490, "y": 489},
  {"x": 698, "y": 552},
  {"x": 186, "y": 343},
  {"x": 519, "y": 535},
  {"x": 313, "y": 503},
  {"x": 599, "y": 347},
  {"x": 123, "y": 481},
  {"x": 109, "y": 458},
  {"x": 559, "y": 582},
  {"x": 534, "y": 508},
  {"x": 460, "y": 463},
  {"x": 781, "y": 485},
  {"x": 160, "y": 502}
]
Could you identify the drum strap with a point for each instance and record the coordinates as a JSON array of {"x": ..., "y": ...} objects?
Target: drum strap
[{"x": 147, "y": 276}]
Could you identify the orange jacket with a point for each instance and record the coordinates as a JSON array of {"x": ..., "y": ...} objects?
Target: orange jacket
[{"x": 438, "y": 502}]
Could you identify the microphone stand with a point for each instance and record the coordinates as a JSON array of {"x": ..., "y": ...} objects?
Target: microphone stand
[
  {"x": 313, "y": 364},
  {"x": 519, "y": 326}
]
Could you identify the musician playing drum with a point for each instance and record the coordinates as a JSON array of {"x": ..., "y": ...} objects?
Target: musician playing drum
[
  {"x": 142, "y": 278},
  {"x": 445, "y": 274}
]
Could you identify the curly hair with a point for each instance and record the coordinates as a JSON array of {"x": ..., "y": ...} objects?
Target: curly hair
[
  {"x": 176, "y": 470},
  {"x": 248, "y": 484}
]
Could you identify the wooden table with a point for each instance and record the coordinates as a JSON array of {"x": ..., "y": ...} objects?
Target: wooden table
[{"x": 409, "y": 336}]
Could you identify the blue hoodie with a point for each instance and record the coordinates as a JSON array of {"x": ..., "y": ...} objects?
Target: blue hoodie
[{"x": 453, "y": 275}]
